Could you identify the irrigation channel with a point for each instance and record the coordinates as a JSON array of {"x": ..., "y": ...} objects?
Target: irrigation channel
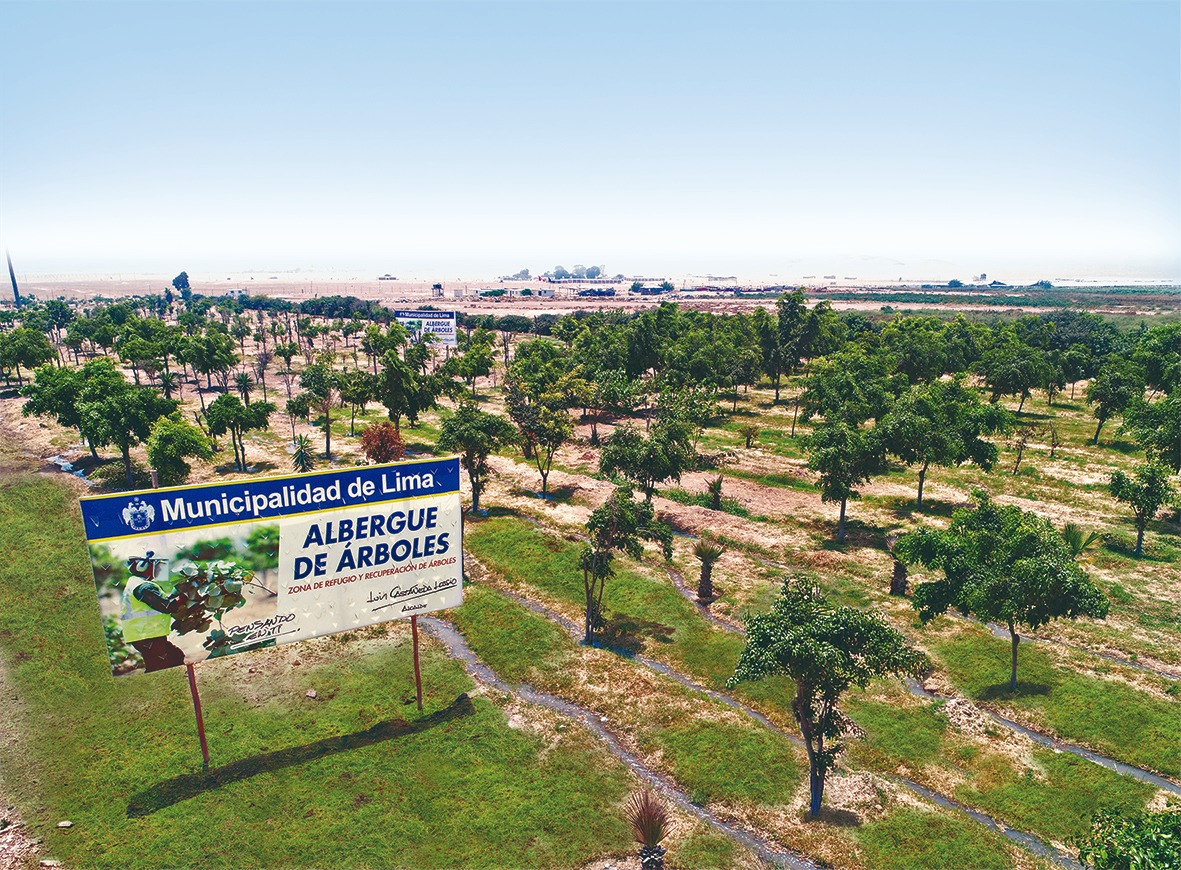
[
  {"x": 455, "y": 643},
  {"x": 1027, "y": 841}
]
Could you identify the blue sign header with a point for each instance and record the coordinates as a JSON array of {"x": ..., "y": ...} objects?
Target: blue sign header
[{"x": 164, "y": 510}]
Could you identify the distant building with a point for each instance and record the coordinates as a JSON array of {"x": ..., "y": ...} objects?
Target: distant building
[{"x": 237, "y": 293}]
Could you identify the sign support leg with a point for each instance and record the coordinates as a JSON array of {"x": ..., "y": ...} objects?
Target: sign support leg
[
  {"x": 200, "y": 718},
  {"x": 417, "y": 673}
]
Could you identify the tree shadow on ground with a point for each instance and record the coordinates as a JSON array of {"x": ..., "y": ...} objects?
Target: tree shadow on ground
[
  {"x": 626, "y": 634},
  {"x": 904, "y": 508},
  {"x": 836, "y": 818},
  {"x": 1002, "y": 691},
  {"x": 188, "y": 785}
]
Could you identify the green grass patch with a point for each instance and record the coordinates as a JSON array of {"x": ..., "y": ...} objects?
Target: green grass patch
[
  {"x": 703, "y": 499},
  {"x": 913, "y": 840},
  {"x": 729, "y": 762},
  {"x": 511, "y": 639},
  {"x": 781, "y": 481},
  {"x": 1111, "y": 717},
  {"x": 1057, "y": 798},
  {"x": 895, "y": 734},
  {"x": 469, "y": 792},
  {"x": 702, "y": 848}
]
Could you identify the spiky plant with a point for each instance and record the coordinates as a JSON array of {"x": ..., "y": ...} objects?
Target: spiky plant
[
  {"x": 304, "y": 457},
  {"x": 1078, "y": 540},
  {"x": 244, "y": 384},
  {"x": 649, "y": 820},
  {"x": 715, "y": 492},
  {"x": 708, "y": 553}
]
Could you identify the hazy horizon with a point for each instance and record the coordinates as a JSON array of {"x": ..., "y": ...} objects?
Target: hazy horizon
[{"x": 449, "y": 141}]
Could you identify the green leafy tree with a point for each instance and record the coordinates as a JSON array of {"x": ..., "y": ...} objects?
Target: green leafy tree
[
  {"x": 1149, "y": 840},
  {"x": 1013, "y": 369},
  {"x": 620, "y": 526},
  {"x": 1146, "y": 491},
  {"x": 25, "y": 347},
  {"x": 321, "y": 385},
  {"x": 181, "y": 282},
  {"x": 665, "y": 454},
  {"x": 115, "y": 412},
  {"x": 227, "y": 414},
  {"x": 1118, "y": 384},
  {"x": 1156, "y": 427},
  {"x": 942, "y": 422},
  {"x": 1000, "y": 564},
  {"x": 825, "y": 650},
  {"x": 172, "y": 441},
  {"x": 474, "y": 435},
  {"x": 844, "y": 457}
]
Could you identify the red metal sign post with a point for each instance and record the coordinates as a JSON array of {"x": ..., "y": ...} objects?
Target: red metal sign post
[
  {"x": 417, "y": 675},
  {"x": 200, "y": 718}
]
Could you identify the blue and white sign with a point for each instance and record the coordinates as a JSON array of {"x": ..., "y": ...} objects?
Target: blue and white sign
[
  {"x": 195, "y": 572},
  {"x": 419, "y": 323}
]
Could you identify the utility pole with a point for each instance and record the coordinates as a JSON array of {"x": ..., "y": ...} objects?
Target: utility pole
[{"x": 16, "y": 294}]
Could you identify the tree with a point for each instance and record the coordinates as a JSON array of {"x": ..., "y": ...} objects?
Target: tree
[
  {"x": 1013, "y": 369},
  {"x": 664, "y": 455},
  {"x": 824, "y": 649},
  {"x": 382, "y": 443},
  {"x": 1116, "y": 386},
  {"x": 1078, "y": 540},
  {"x": 1022, "y": 435},
  {"x": 620, "y": 525},
  {"x": 474, "y": 435},
  {"x": 320, "y": 384},
  {"x": 1156, "y": 427},
  {"x": 1146, "y": 492},
  {"x": 844, "y": 456},
  {"x": 707, "y": 553},
  {"x": 172, "y": 441},
  {"x": 1140, "y": 841},
  {"x": 113, "y": 411},
  {"x": 181, "y": 282},
  {"x": 942, "y": 422},
  {"x": 27, "y": 347},
  {"x": 1000, "y": 564},
  {"x": 714, "y": 487},
  {"x": 404, "y": 390},
  {"x": 227, "y": 414}
]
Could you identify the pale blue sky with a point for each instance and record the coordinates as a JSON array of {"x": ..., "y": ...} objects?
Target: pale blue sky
[{"x": 1039, "y": 139}]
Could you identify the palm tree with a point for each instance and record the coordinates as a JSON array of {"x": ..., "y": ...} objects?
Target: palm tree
[
  {"x": 170, "y": 383},
  {"x": 1078, "y": 541},
  {"x": 708, "y": 553},
  {"x": 245, "y": 384}
]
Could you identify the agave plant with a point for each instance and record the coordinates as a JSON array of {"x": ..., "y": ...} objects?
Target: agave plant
[
  {"x": 649, "y": 820},
  {"x": 708, "y": 553},
  {"x": 304, "y": 457},
  {"x": 1078, "y": 540},
  {"x": 715, "y": 492}
]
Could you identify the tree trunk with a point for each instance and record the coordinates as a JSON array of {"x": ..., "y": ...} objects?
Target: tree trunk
[
  {"x": 544, "y": 482},
  {"x": 476, "y": 487},
  {"x": 922, "y": 477},
  {"x": 705, "y": 586},
  {"x": 1020, "y": 451},
  {"x": 590, "y": 603},
  {"x": 1016, "y": 639},
  {"x": 841, "y": 522},
  {"x": 327, "y": 433},
  {"x": 776, "y": 388},
  {"x": 898, "y": 578},
  {"x": 1139, "y": 540},
  {"x": 795, "y": 412},
  {"x": 1098, "y": 429},
  {"x": 127, "y": 466},
  {"x": 816, "y": 784},
  {"x": 1021, "y": 404}
]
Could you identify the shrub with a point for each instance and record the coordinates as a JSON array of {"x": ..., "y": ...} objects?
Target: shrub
[{"x": 382, "y": 443}]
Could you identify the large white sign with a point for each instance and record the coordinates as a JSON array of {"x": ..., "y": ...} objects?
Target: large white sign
[
  {"x": 419, "y": 323},
  {"x": 197, "y": 572}
]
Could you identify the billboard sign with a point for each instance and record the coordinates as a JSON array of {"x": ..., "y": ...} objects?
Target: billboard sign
[
  {"x": 419, "y": 323},
  {"x": 203, "y": 571}
]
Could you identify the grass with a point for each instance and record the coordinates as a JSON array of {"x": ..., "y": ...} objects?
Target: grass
[
  {"x": 914, "y": 840},
  {"x": 703, "y": 499},
  {"x": 1112, "y": 717},
  {"x": 469, "y": 792},
  {"x": 1057, "y": 796}
]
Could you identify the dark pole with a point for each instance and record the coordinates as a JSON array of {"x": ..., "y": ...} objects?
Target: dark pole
[
  {"x": 417, "y": 674},
  {"x": 200, "y": 718},
  {"x": 16, "y": 294}
]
